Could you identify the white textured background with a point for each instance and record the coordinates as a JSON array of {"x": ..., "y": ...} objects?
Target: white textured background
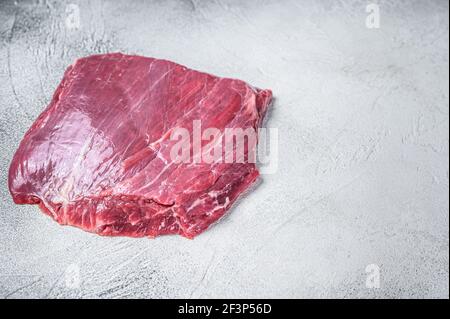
[{"x": 363, "y": 118}]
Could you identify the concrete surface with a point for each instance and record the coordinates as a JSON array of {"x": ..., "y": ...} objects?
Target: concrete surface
[{"x": 362, "y": 181}]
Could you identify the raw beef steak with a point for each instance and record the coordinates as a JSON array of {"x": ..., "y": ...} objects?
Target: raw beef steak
[{"x": 99, "y": 156}]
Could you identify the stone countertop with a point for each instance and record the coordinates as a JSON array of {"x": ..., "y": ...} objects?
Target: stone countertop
[{"x": 362, "y": 179}]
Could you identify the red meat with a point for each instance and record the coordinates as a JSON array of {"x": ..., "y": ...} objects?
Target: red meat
[{"x": 98, "y": 157}]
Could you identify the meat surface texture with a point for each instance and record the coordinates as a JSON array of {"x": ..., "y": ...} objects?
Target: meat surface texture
[{"x": 98, "y": 157}]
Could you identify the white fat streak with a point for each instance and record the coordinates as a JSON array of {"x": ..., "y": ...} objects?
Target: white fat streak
[
  {"x": 158, "y": 155},
  {"x": 197, "y": 202},
  {"x": 157, "y": 176},
  {"x": 227, "y": 202},
  {"x": 200, "y": 103},
  {"x": 214, "y": 193},
  {"x": 146, "y": 93},
  {"x": 69, "y": 182}
]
